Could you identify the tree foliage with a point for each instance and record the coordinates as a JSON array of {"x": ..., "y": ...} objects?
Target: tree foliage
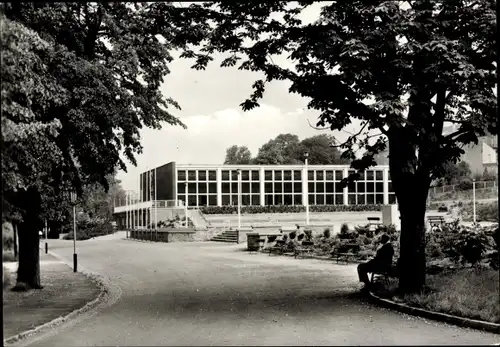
[
  {"x": 403, "y": 69},
  {"x": 453, "y": 173},
  {"x": 287, "y": 149},
  {"x": 238, "y": 155},
  {"x": 79, "y": 82}
]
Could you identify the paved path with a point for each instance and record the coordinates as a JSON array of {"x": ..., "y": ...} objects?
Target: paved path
[{"x": 218, "y": 294}]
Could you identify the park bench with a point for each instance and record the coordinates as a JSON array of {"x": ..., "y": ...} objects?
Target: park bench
[
  {"x": 436, "y": 221},
  {"x": 268, "y": 239},
  {"x": 385, "y": 274},
  {"x": 278, "y": 248},
  {"x": 345, "y": 252},
  {"x": 374, "y": 222},
  {"x": 306, "y": 248}
]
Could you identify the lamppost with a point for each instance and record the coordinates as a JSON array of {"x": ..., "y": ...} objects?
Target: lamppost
[
  {"x": 239, "y": 199},
  {"x": 474, "y": 200},
  {"x": 186, "y": 202},
  {"x": 46, "y": 242},
  {"x": 306, "y": 155},
  {"x": 75, "y": 260}
]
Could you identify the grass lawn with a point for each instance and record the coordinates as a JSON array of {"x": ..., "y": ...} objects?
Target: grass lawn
[{"x": 469, "y": 293}]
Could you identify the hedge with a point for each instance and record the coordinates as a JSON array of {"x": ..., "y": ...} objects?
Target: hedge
[{"x": 289, "y": 209}]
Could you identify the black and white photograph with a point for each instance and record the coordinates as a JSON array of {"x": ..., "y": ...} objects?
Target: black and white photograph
[{"x": 250, "y": 173}]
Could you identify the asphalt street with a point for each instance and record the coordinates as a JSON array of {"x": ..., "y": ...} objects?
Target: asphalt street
[{"x": 218, "y": 294}]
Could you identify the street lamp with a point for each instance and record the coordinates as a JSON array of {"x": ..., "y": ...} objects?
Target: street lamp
[
  {"x": 239, "y": 199},
  {"x": 186, "y": 202},
  {"x": 75, "y": 260},
  {"x": 46, "y": 243},
  {"x": 306, "y": 155},
  {"x": 474, "y": 200}
]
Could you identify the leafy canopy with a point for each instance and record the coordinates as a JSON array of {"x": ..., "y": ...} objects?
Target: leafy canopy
[
  {"x": 403, "y": 68},
  {"x": 74, "y": 96},
  {"x": 238, "y": 155}
]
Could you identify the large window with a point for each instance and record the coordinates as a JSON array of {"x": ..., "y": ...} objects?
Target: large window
[
  {"x": 324, "y": 187},
  {"x": 282, "y": 187},
  {"x": 369, "y": 189},
  {"x": 250, "y": 187},
  {"x": 201, "y": 187}
]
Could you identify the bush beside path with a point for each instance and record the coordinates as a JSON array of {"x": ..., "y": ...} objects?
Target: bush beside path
[{"x": 64, "y": 292}]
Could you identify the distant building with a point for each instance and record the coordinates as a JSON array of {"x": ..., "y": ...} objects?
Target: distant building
[
  {"x": 261, "y": 185},
  {"x": 480, "y": 157}
]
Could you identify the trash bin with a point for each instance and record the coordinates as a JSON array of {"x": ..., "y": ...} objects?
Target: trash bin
[{"x": 253, "y": 241}]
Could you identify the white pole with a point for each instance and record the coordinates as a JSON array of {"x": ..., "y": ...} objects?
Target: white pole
[
  {"x": 132, "y": 212},
  {"x": 126, "y": 210},
  {"x": 75, "y": 259},
  {"x": 74, "y": 229},
  {"x": 186, "y": 202},
  {"x": 239, "y": 199},
  {"x": 474, "y": 200},
  {"x": 156, "y": 202},
  {"x": 307, "y": 196}
]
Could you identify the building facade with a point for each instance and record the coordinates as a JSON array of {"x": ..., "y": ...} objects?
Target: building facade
[{"x": 218, "y": 185}]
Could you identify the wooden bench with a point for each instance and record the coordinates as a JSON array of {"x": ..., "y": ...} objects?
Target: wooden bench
[
  {"x": 436, "y": 221},
  {"x": 304, "y": 249},
  {"x": 345, "y": 252},
  {"x": 374, "y": 221},
  {"x": 386, "y": 275},
  {"x": 279, "y": 248}
]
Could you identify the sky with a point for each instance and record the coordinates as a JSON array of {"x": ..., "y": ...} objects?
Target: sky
[{"x": 210, "y": 102}]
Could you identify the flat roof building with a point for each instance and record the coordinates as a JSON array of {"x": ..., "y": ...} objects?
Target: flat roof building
[{"x": 217, "y": 185}]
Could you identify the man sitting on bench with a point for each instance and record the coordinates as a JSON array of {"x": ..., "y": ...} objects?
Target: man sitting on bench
[{"x": 381, "y": 263}]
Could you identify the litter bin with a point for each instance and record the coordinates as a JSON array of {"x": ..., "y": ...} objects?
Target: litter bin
[{"x": 253, "y": 241}]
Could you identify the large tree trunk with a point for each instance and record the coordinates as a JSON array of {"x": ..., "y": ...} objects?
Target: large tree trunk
[
  {"x": 411, "y": 185},
  {"x": 412, "y": 246},
  {"x": 28, "y": 273}
]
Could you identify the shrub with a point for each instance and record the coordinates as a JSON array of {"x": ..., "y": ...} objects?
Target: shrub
[
  {"x": 326, "y": 233},
  {"x": 7, "y": 236},
  {"x": 88, "y": 229},
  {"x": 433, "y": 251},
  {"x": 8, "y": 256},
  {"x": 364, "y": 230},
  {"x": 488, "y": 212},
  {"x": 465, "y": 184},
  {"x": 288, "y": 209},
  {"x": 6, "y": 278},
  {"x": 442, "y": 208}
]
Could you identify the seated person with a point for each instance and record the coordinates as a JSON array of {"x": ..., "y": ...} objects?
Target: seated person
[{"x": 381, "y": 262}]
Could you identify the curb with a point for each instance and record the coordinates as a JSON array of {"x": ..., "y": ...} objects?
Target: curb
[
  {"x": 438, "y": 316},
  {"x": 103, "y": 293},
  {"x": 328, "y": 259}
]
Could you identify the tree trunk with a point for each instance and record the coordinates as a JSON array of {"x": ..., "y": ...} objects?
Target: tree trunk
[
  {"x": 28, "y": 272},
  {"x": 412, "y": 248},
  {"x": 411, "y": 184}
]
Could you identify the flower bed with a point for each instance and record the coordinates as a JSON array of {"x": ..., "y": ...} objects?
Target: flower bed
[
  {"x": 462, "y": 273},
  {"x": 289, "y": 209}
]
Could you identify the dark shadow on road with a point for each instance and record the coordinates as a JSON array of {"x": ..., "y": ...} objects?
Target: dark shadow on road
[{"x": 266, "y": 302}]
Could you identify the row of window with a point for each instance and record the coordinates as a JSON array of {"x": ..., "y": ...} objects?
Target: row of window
[
  {"x": 197, "y": 175},
  {"x": 281, "y": 187},
  {"x": 274, "y": 175}
]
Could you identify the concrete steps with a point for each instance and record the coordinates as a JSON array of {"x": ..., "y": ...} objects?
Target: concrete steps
[{"x": 226, "y": 236}]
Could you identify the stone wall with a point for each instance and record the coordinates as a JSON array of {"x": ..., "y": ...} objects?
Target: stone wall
[
  {"x": 164, "y": 235},
  {"x": 205, "y": 235}
]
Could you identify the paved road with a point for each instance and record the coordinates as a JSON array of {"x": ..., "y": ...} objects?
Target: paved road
[{"x": 218, "y": 294}]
